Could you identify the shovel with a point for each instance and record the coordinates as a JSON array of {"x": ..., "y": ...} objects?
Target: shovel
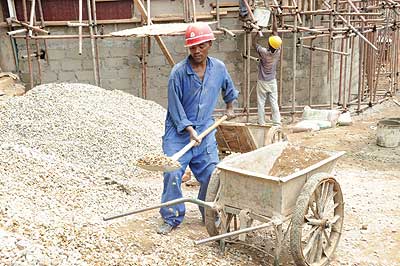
[{"x": 169, "y": 164}]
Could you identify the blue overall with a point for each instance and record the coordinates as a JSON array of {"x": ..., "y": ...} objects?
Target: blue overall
[{"x": 191, "y": 102}]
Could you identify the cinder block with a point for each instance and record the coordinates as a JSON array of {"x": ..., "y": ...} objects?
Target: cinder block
[
  {"x": 49, "y": 76},
  {"x": 71, "y": 64},
  {"x": 87, "y": 64},
  {"x": 56, "y": 54},
  {"x": 108, "y": 73},
  {"x": 120, "y": 84},
  {"x": 227, "y": 45},
  {"x": 67, "y": 76},
  {"x": 156, "y": 60},
  {"x": 125, "y": 73},
  {"x": 84, "y": 75},
  {"x": 120, "y": 52},
  {"x": 115, "y": 62}
]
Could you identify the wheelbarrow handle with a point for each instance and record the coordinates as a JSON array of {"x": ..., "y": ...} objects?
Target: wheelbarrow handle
[
  {"x": 179, "y": 154},
  {"x": 165, "y": 204}
]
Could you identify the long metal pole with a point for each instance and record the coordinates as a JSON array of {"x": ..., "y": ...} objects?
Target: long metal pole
[
  {"x": 345, "y": 72},
  {"x": 94, "y": 11},
  {"x": 80, "y": 27},
  {"x": 341, "y": 72},
  {"x": 43, "y": 26},
  {"x": 351, "y": 72},
  {"x": 28, "y": 45},
  {"x": 165, "y": 204},
  {"x": 218, "y": 17},
  {"x": 310, "y": 76},
  {"x": 294, "y": 65},
  {"x": 89, "y": 10},
  {"x": 234, "y": 233},
  {"x": 330, "y": 62},
  {"x": 280, "y": 91},
  {"x": 248, "y": 62},
  {"x": 32, "y": 16}
]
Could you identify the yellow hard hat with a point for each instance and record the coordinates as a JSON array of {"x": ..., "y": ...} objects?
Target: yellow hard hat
[{"x": 275, "y": 41}]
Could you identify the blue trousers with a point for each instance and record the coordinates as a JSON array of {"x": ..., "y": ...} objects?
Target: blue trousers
[
  {"x": 243, "y": 8},
  {"x": 202, "y": 160}
]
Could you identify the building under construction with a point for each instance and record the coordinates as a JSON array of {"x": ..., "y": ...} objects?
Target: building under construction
[{"x": 335, "y": 54}]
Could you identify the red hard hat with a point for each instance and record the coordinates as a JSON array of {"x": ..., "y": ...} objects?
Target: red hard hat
[{"x": 197, "y": 33}]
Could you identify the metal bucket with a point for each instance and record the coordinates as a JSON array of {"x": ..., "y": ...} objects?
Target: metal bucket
[
  {"x": 261, "y": 15},
  {"x": 388, "y": 133}
]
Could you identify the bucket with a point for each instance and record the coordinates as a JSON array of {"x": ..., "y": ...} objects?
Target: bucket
[
  {"x": 388, "y": 133},
  {"x": 261, "y": 15}
]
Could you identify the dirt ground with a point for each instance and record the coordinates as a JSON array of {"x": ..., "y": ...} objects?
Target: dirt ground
[
  {"x": 70, "y": 229},
  {"x": 370, "y": 179}
]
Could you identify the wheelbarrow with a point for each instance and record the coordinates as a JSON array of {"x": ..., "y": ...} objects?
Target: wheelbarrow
[{"x": 241, "y": 193}]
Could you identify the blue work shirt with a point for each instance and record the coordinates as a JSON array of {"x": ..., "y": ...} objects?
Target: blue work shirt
[{"x": 191, "y": 101}]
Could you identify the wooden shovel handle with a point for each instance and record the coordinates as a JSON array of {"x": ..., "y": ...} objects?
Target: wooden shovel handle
[{"x": 179, "y": 154}]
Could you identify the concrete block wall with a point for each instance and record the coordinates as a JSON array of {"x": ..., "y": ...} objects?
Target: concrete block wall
[{"x": 120, "y": 65}]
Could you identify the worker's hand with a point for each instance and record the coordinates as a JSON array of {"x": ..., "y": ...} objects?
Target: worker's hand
[
  {"x": 230, "y": 114},
  {"x": 193, "y": 135}
]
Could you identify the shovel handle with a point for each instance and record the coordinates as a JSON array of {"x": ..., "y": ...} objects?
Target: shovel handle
[{"x": 179, "y": 154}]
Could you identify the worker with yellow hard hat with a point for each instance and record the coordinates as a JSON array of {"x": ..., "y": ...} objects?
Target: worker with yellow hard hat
[{"x": 266, "y": 81}]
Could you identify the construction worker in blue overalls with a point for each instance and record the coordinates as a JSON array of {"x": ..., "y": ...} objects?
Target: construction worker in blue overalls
[{"x": 193, "y": 89}]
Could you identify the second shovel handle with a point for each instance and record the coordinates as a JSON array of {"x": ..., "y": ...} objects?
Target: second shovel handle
[{"x": 179, "y": 154}]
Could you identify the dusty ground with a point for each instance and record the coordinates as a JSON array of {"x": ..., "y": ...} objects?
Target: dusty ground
[
  {"x": 369, "y": 176},
  {"x": 370, "y": 179}
]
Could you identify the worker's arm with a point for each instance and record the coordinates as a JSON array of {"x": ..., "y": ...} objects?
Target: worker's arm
[
  {"x": 175, "y": 107},
  {"x": 254, "y": 40},
  {"x": 274, "y": 24},
  {"x": 229, "y": 94},
  {"x": 229, "y": 111}
]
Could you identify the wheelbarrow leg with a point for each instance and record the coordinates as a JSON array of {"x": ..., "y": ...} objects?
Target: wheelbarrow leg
[
  {"x": 278, "y": 244},
  {"x": 224, "y": 229}
]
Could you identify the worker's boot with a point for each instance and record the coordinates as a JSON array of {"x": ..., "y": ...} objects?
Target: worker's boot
[{"x": 164, "y": 229}]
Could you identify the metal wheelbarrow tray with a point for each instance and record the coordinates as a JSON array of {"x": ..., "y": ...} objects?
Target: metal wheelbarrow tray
[{"x": 241, "y": 192}]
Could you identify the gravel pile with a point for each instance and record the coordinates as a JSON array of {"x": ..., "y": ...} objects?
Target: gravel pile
[{"x": 66, "y": 160}]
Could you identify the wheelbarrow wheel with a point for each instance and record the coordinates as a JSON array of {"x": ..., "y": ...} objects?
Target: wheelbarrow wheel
[
  {"x": 317, "y": 221},
  {"x": 275, "y": 134}
]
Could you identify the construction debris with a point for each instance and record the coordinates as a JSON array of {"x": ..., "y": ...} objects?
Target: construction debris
[
  {"x": 64, "y": 162},
  {"x": 294, "y": 159},
  {"x": 157, "y": 159}
]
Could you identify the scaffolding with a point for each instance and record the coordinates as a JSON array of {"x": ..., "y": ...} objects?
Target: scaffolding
[{"x": 372, "y": 24}]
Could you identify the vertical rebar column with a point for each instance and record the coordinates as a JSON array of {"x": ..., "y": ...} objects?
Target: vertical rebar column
[
  {"x": 311, "y": 71},
  {"x": 28, "y": 48},
  {"x": 89, "y": 10},
  {"x": 280, "y": 91},
  {"x": 194, "y": 10},
  {"x": 330, "y": 58},
  {"x": 346, "y": 45},
  {"x": 311, "y": 8},
  {"x": 43, "y": 26},
  {"x": 351, "y": 71},
  {"x": 80, "y": 27},
  {"x": 341, "y": 71},
  {"x": 218, "y": 18},
  {"x": 294, "y": 64},
  {"x": 248, "y": 80},
  {"x": 361, "y": 68},
  {"x": 144, "y": 67},
  {"x": 94, "y": 11}
]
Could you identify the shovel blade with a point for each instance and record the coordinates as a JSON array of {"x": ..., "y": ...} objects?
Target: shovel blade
[{"x": 159, "y": 168}]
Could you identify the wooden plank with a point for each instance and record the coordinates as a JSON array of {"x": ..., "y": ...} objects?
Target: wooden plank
[
  {"x": 225, "y": 4},
  {"x": 235, "y": 137},
  {"x": 160, "y": 42}
]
